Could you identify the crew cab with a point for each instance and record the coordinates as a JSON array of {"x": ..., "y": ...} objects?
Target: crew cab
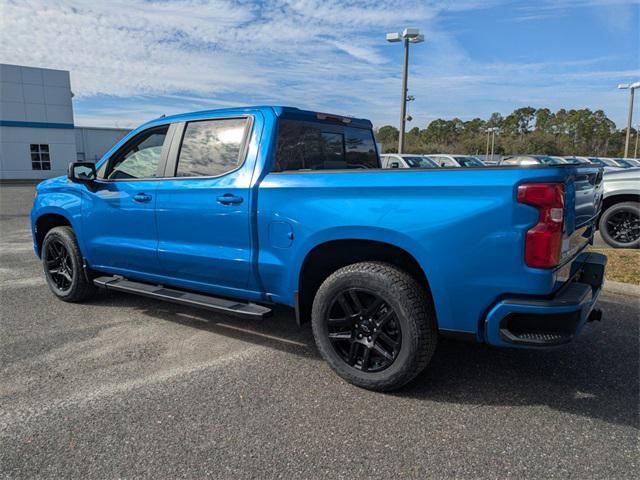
[{"x": 238, "y": 210}]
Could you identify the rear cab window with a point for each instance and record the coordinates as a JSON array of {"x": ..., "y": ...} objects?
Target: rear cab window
[{"x": 323, "y": 145}]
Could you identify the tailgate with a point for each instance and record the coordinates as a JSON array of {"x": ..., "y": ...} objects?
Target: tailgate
[{"x": 583, "y": 200}]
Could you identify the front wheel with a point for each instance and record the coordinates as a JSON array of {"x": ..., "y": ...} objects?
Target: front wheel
[
  {"x": 374, "y": 324},
  {"x": 63, "y": 266},
  {"x": 620, "y": 225}
]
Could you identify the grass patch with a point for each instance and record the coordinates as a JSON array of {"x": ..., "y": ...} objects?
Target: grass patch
[{"x": 623, "y": 264}]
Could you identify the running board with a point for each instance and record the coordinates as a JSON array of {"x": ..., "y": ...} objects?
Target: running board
[{"x": 159, "y": 292}]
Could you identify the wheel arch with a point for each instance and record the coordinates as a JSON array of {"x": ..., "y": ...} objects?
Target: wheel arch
[
  {"x": 614, "y": 199},
  {"x": 44, "y": 223},
  {"x": 327, "y": 257}
]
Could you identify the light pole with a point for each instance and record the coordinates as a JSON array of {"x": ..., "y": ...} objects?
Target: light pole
[
  {"x": 635, "y": 150},
  {"x": 486, "y": 156},
  {"x": 632, "y": 87},
  {"x": 493, "y": 131},
  {"x": 409, "y": 35}
]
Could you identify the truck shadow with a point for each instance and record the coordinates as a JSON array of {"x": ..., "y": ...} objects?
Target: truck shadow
[{"x": 596, "y": 376}]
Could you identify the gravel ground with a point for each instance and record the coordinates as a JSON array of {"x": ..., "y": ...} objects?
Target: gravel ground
[{"x": 129, "y": 387}]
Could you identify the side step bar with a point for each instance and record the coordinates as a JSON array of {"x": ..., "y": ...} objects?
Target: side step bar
[{"x": 159, "y": 292}]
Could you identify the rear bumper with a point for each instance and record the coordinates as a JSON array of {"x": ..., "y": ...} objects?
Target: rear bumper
[{"x": 525, "y": 321}]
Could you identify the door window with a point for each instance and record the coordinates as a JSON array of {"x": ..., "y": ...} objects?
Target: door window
[
  {"x": 140, "y": 157},
  {"x": 211, "y": 147}
]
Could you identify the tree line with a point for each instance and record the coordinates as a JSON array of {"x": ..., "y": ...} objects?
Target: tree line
[{"x": 525, "y": 130}]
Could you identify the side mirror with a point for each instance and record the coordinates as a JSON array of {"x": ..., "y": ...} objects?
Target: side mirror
[
  {"x": 395, "y": 165},
  {"x": 82, "y": 172}
]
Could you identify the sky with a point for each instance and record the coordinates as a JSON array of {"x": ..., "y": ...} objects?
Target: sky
[{"x": 134, "y": 60}]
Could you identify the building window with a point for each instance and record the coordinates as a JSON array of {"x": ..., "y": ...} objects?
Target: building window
[{"x": 40, "y": 157}]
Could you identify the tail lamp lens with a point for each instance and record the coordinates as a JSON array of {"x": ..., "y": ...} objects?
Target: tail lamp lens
[{"x": 543, "y": 244}]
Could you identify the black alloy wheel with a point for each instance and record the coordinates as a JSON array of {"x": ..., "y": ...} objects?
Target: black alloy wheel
[
  {"x": 58, "y": 265},
  {"x": 363, "y": 330},
  {"x": 624, "y": 226},
  {"x": 620, "y": 225},
  {"x": 374, "y": 324}
]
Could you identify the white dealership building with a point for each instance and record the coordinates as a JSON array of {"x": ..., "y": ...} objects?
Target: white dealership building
[{"x": 38, "y": 137}]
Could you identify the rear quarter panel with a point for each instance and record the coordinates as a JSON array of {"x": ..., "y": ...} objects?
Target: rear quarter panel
[{"x": 463, "y": 226}]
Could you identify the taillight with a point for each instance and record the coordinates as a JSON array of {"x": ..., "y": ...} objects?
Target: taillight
[{"x": 544, "y": 241}]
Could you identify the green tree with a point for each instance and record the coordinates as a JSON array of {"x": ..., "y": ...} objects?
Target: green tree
[
  {"x": 388, "y": 137},
  {"x": 525, "y": 130}
]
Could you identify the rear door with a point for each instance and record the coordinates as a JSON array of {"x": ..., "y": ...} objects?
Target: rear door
[{"x": 203, "y": 213}]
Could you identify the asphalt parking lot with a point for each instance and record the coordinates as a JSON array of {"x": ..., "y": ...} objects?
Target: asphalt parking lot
[{"x": 126, "y": 387}]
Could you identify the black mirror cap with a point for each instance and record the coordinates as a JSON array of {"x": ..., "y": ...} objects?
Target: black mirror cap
[{"x": 82, "y": 172}]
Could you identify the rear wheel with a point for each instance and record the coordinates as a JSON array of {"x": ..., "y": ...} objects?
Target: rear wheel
[
  {"x": 374, "y": 325},
  {"x": 63, "y": 266},
  {"x": 620, "y": 225}
]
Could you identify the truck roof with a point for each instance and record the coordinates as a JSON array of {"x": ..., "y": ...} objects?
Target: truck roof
[{"x": 279, "y": 110}]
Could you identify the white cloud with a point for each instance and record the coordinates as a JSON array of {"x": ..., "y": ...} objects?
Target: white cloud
[
  {"x": 199, "y": 46},
  {"x": 135, "y": 59}
]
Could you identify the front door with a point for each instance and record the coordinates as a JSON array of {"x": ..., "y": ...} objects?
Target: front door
[
  {"x": 119, "y": 223},
  {"x": 203, "y": 214}
]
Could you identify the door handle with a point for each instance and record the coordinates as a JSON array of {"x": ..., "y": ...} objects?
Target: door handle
[
  {"x": 229, "y": 199},
  {"x": 142, "y": 197}
]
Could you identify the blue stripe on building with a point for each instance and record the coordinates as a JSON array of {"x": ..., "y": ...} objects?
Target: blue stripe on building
[{"x": 13, "y": 123}]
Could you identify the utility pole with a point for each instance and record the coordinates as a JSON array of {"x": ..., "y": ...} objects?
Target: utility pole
[
  {"x": 403, "y": 98},
  {"x": 493, "y": 141},
  {"x": 632, "y": 87},
  {"x": 491, "y": 131},
  {"x": 488, "y": 135},
  {"x": 409, "y": 35}
]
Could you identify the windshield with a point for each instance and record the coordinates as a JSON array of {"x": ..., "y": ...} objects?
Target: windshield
[
  {"x": 624, "y": 163},
  {"x": 548, "y": 160},
  {"x": 628, "y": 162},
  {"x": 469, "y": 161},
  {"x": 578, "y": 160},
  {"x": 604, "y": 162},
  {"x": 442, "y": 161},
  {"x": 419, "y": 162}
]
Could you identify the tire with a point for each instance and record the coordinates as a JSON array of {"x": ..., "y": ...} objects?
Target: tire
[
  {"x": 405, "y": 320},
  {"x": 63, "y": 266},
  {"x": 620, "y": 225}
]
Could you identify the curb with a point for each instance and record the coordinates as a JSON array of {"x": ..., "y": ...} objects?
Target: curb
[{"x": 622, "y": 288}]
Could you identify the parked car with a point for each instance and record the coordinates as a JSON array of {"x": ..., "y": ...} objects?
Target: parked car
[
  {"x": 238, "y": 210},
  {"x": 620, "y": 219},
  {"x": 524, "y": 160},
  {"x": 628, "y": 162},
  {"x": 604, "y": 162},
  {"x": 560, "y": 159},
  {"x": 443, "y": 160},
  {"x": 397, "y": 160},
  {"x": 577, "y": 160}
]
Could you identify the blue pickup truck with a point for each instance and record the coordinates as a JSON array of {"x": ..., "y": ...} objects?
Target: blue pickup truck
[{"x": 237, "y": 210}]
